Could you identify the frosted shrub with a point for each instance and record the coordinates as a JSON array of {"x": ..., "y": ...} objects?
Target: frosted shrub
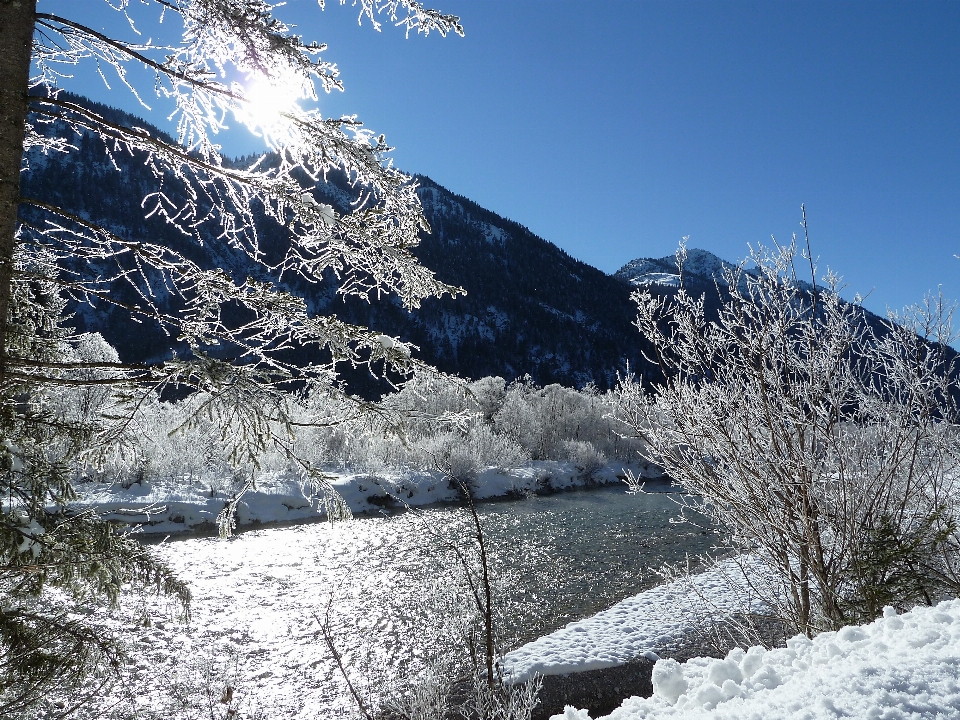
[
  {"x": 518, "y": 418},
  {"x": 158, "y": 445},
  {"x": 449, "y": 454},
  {"x": 503, "y": 701},
  {"x": 826, "y": 447},
  {"x": 541, "y": 420},
  {"x": 486, "y": 423},
  {"x": 85, "y": 403},
  {"x": 336, "y": 445},
  {"x": 196, "y": 453},
  {"x": 489, "y": 393},
  {"x": 467, "y": 453},
  {"x": 429, "y": 402},
  {"x": 584, "y": 455},
  {"x": 493, "y": 450},
  {"x": 425, "y": 697}
]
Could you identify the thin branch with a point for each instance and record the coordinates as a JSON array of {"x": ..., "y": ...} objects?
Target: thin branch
[{"x": 127, "y": 49}]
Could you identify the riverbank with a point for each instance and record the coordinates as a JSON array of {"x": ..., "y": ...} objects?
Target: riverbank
[
  {"x": 674, "y": 652},
  {"x": 899, "y": 667},
  {"x": 182, "y": 506},
  {"x": 596, "y": 662}
]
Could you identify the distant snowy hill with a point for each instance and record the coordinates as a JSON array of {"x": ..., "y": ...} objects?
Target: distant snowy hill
[
  {"x": 703, "y": 276},
  {"x": 701, "y": 267},
  {"x": 663, "y": 271}
]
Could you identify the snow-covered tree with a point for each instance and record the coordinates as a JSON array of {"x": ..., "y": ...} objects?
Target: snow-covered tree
[
  {"x": 826, "y": 447},
  {"x": 235, "y": 61}
]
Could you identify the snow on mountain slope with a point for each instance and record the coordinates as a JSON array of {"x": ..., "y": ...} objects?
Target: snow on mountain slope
[{"x": 663, "y": 271}]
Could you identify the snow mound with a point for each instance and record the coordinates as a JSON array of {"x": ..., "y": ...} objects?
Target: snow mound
[{"x": 899, "y": 667}]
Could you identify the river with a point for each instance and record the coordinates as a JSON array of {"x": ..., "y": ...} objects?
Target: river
[{"x": 389, "y": 592}]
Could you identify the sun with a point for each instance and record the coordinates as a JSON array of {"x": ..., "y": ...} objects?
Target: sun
[{"x": 266, "y": 100}]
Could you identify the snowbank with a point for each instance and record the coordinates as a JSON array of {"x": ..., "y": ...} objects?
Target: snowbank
[
  {"x": 643, "y": 625},
  {"x": 896, "y": 668},
  {"x": 180, "y": 505}
]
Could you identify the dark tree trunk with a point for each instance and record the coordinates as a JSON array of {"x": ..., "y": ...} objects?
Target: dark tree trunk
[{"x": 16, "y": 36}]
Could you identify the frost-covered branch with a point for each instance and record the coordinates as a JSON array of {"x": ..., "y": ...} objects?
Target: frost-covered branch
[{"x": 210, "y": 261}]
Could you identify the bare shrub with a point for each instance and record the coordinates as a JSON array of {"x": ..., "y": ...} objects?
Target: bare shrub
[
  {"x": 826, "y": 446},
  {"x": 583, "y": 455}
]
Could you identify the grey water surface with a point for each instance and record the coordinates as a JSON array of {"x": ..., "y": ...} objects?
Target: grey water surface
[{"x": 553, "y": 559}]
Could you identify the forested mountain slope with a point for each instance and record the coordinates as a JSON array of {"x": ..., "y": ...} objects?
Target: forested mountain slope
[{"x": 530, "y": 308}]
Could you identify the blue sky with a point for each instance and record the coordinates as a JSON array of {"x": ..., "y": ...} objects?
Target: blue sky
[{"x": 615, "y": 128}]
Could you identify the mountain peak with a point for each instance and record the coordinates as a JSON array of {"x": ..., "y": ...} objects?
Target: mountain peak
[{"x": 663, "y": 271}]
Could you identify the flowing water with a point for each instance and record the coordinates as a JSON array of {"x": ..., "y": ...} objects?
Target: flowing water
[
  {"x": 387, "y": 593},
  {"x": 567, "y": 556}
]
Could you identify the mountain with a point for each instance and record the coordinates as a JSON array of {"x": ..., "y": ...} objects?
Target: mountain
[
  {"x": 703, "y": 276},
  {"x": 530, "y": 308},
  {"x": 663, "y": 271}
]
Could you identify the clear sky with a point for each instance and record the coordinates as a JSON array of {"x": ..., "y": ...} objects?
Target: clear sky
[{"x": 615, "y": 128}]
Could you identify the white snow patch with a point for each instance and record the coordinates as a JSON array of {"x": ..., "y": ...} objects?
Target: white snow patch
[
  {"x": 494, "y": 234},
  {"x": 656, "y": 278},
  {"x": 904, "y": 667},
  {"x": 649, "y": 622}
]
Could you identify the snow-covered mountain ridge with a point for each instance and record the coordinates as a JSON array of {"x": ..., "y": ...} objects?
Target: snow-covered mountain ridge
[
  {"x": 663, "y": 271},
  {"x": 700, "y": 264}
]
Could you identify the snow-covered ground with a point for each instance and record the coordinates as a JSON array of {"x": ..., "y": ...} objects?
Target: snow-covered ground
[
  {"x": 650, "y": 622},
  {"x": 655, "y": 278},
  {"x": 896, "y": 668},
  {"x": 261, "y": 602},
  {"x": 175, "y": 506},
  {"x": 904, "y": 667}
]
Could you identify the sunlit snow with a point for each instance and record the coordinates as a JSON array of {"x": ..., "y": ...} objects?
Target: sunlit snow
[
  {"x": 904, "y": 667},
  {"x": 646, "y": 623}
]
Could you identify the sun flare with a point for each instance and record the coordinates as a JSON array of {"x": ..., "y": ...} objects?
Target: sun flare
[{"x": 266, "y": 101}]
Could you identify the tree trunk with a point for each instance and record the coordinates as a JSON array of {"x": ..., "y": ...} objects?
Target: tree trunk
[
  {"x": 16, "y": 37},
  {"x": 488, "y": 595}
]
